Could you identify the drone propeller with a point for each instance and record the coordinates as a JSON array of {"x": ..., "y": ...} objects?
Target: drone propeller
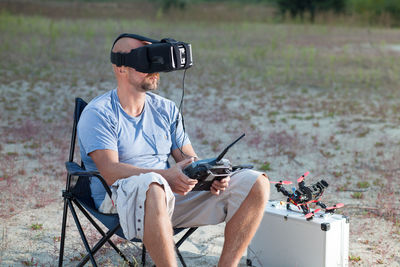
[
  {"x": 311, "y": 214},
  {"x": 337, "y": 206},
  {"x": 281, "y": 182},
  {"x": 301, "y": 179}
]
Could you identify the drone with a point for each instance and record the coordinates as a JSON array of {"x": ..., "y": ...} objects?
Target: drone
[{"x": 304, "y": 195}]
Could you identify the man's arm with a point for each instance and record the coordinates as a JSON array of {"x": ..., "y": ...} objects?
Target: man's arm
[
  {"x": 111, "y": 169},
  {"x": 186, "y": 152}
]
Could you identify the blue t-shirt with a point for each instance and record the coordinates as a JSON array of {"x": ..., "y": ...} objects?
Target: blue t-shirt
[{"x": 145, "y": 141}]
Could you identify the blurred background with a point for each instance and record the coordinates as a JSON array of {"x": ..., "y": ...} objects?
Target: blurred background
[
  {"x": 313, "y": 84},
  {"x": 357, "y": 12}
]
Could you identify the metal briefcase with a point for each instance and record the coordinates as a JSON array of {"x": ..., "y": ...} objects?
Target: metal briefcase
[{"x": 286, "y": 239}]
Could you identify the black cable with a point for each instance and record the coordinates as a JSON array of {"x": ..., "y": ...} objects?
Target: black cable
[
  {"x": 181, "y": 103},
  {"x": 180, "y": 113}
]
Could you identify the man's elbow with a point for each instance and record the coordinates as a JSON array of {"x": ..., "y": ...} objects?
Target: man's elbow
[
  {"x": 108, "y": 176},
  {"x": 107, "y": 164}
]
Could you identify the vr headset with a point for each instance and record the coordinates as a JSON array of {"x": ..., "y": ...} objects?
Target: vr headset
[{"x": 159, "y": 56}]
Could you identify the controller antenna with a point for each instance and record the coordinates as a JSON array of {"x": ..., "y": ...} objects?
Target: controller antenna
[{"x": 227, "y": 148}]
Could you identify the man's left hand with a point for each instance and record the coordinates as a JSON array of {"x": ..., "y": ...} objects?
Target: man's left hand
[{"x": 218, "y": 186}]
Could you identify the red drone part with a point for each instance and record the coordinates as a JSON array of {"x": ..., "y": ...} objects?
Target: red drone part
[
  {"x": 281, "y": 182},
  {"x": 301, "y": 179},
  {"x": 337, "y": 206},
  {"x": 311, "y": 214}
]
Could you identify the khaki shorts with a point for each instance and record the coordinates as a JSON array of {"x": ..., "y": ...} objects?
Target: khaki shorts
[{"x": 197, "y": 208}]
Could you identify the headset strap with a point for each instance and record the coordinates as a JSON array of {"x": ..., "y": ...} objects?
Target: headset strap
[{"x": 134, "y": 36}]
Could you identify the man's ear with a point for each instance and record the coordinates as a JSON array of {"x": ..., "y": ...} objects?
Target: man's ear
[{"x": 121, "y": 69}]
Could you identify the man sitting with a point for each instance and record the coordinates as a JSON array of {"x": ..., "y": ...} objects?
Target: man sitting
[{"x": 128, "y": 135}]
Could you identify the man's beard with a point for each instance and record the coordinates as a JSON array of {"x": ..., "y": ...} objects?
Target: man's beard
[{"x": 149, "y": 83}]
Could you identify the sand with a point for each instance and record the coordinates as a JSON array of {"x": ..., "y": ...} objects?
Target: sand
[{"x": 283, "y": 137}]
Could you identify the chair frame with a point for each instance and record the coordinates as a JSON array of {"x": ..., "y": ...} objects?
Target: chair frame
[{"x": 70, "y": 199}]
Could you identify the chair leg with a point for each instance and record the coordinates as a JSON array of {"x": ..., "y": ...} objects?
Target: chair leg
[
  {"x": 143, "y": 255},
  {"x": 101, "y": 231},
  {"x": 83, "y": 237},
  {"x": 185, "y": 236},
  {"x": 63, "y": 227},
  {"x": 179, "y": 243},
  {"x": 180, "y": 256},
  {"x": 99, "y": 244}
]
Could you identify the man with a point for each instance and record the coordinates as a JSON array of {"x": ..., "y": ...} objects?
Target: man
[{"x": 128, "y": 134}]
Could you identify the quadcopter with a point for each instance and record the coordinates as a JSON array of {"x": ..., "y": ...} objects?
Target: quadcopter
[{"x": 304, "y": 195}]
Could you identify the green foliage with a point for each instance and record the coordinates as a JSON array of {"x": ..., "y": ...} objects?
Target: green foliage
[
  {"x": 168, "y": 4},
  {"x": 266, "y": 166},
  {"x": 375, "y": 7},
  {"x": 30, "y": 262},
  {"x": 357, "y": 195},
  {"x": 301, "y": 7},
  {"x": 37, "y": 226},
  {"x": 262, "y": 51},
  {"x": 354, "y": 258},
  {"x": 337, "y": 174},
  {"x": 364, "y": 184},
  {"x": 371, "y": 9}
]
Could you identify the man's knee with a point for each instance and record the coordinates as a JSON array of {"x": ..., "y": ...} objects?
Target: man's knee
[
  {"x": 157, "y": 223},
  {"x": 155, "y": 195},
  {"x": 261, "y": 188}
]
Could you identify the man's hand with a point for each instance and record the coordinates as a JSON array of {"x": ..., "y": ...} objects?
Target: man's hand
[
  {"x": 218, "y": 186},
  {"x": 177, "y": 180}
]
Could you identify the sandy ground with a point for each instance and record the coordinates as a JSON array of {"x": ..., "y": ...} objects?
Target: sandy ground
[
  {"x": 345, "y": 148},
  {"x": 22, "y": 246}
]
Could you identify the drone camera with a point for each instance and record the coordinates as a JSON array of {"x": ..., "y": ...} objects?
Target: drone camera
[{"x": 313, "y": 191}]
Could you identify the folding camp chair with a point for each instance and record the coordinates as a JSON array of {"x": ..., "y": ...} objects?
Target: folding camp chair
[{"x": 78, "y": 195}]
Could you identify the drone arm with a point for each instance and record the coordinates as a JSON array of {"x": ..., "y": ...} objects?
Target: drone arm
[
  {"x": 281, "y": 189},
  {"x": 305, "y": 209},
  {"x": 322, "y": 205}
]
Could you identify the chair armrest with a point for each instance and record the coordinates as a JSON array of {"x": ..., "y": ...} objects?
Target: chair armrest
[{"x": 74, "y": 169}]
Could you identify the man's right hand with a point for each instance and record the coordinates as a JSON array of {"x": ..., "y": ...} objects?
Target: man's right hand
[{"x": 177, "y": 180}]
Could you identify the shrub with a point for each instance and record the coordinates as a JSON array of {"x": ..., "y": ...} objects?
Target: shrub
[
  {"x": 373, "y": 9},
  {"x": 301, "y": 7},
  {"x": 364, "y": 184},
  {"x": 266, "y": 166},
  {"x": 167, "y": 4},
  {"x": 357, "y": 195}
]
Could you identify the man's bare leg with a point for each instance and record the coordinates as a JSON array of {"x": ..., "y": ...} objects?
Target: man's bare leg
[
  {"x": 243, "y": 225},
  {"x": 157, "y": 228}
]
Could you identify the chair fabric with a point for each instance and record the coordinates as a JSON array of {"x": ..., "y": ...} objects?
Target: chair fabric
[
  {"x": 109, "y": 220},
  {"x": 78, "y": 195}
]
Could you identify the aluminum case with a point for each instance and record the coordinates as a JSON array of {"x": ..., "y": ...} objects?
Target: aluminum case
[{"x": 286, "y": 238}]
